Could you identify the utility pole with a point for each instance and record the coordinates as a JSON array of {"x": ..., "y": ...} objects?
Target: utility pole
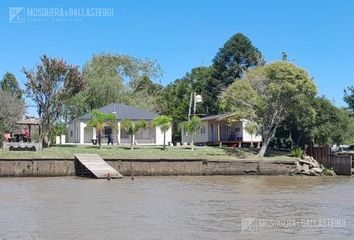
[
  {"x": 190, "y": 107},
  {"x": 194, "y": 99}
]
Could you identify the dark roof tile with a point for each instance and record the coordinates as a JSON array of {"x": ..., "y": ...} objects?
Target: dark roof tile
[{"x": 124, "y": 111}]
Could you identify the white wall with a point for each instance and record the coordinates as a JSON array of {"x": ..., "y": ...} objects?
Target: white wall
[
  {"x": 247, "y": 136},
  {"x": 199, "y": 137},
  {"x": 155, "y": 135},
  {"x": 159, "y": 136},
  {"x": 73, "y": 131}
]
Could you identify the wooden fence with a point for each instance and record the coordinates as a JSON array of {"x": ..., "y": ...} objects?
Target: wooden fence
[{"x": 342, "y": 164}]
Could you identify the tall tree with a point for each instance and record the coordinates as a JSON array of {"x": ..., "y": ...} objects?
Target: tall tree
[
  {"x": 49, "y": 86},
  {"x": 11, "y": 110},
  {"x": 174, "y": 102},
  {"x": 10, "y": 84},
  {"x": 332, "y": 125},
  {"x": 165, "y": 123},
  {"x": 174, "y": 98},
  {"x": 113, "y": 78},
  {"x": 236, "y": 56},
  {"x": 99, "y": 120},
  {"x": 267, "y": 95},
  {"x": 349, "y": 97}
]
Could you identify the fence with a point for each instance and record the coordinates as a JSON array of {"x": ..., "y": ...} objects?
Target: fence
[{"x": 342, "y": 164}]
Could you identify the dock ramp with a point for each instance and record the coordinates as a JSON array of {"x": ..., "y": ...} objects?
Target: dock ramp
[{"x": 92, "y": 165}]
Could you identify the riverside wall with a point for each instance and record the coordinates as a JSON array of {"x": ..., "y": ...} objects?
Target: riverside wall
[{"x": 44, "y": 167}]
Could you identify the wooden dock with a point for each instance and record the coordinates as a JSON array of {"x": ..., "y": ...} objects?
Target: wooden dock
[{"x": 92, "y": 165}]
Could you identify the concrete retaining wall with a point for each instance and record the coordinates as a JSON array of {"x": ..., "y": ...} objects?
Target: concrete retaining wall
[
  {"x": 37, "y": 167},
  {"x": 200, "y": 167},
  {"x": 151, "y": 167}
]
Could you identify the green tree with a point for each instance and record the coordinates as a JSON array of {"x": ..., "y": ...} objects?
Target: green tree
[
  {"x": 49, "y": 86},
  {"x": 113, "y": 78},
  {"x": 349, "y": 97},
  {"x": 132, "y": 127},
  {"x": 252, "y": 129},
  {"x": 165, "y": 123},
  {"x": 174, "y": 98},
  {"x": 191, "y": 128},
  {"x": 10, "y": 84},
  {"x": 57, "y": 129},
  {"x": 234, "y": 58},
  {"x": 99, "y": 120},
  {"x": 267, "y": 95},
  {"x": 332, "y": 124},
  {"x": 147, "y": 90},
  {"x": 11, "y": 110},
  {"x": 230, "y": 63}
]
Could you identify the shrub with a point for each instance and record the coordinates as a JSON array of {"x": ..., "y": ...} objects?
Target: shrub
[{"x": 297, "y": 152}]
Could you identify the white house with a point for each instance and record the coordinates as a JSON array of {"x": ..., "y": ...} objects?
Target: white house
[
  {"x": 80, "y": 132},
  {"x": 215, "y": 130}
]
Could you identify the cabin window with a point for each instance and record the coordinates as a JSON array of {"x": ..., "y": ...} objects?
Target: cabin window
[
  {"x": 144, "y": 133},
  {"x": 202, "y": 130}
]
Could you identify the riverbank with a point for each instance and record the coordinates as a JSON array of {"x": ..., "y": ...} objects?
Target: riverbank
[
  {"x": 43, "y": 167},
  {"x": 147, "y": 152}
]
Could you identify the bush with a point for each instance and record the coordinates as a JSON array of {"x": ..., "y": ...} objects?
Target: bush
[{"x": 297, "y": 152}]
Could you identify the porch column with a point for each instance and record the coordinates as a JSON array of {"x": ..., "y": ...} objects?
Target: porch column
[
  {"x": 219, "y": 135},
  {"x": 118, "y": 134},
  {"x": 82, "y": 132},
  {"x": 94, "y": 133}
]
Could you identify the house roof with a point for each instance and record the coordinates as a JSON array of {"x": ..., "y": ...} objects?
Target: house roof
[
  {"x": 124, "y": 111},
  {"x": 218, "y": 117}
]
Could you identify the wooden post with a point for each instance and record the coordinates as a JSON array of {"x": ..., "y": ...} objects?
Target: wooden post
[
  {"x": 118, "y": 134},
  {"x": 219, "y": 135},
  {"x": 218, "y": 132}
]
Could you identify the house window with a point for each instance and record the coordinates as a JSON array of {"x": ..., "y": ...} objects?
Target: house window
[
  {"x": 237, "y": 129},
  {"x": 202, "y": 130},
  {"x": 143, "y": 134},
  {"x": 71, "y": 133}
]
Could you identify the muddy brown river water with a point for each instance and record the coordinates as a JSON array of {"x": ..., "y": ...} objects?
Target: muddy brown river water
[{"x": 217, "y": 207}]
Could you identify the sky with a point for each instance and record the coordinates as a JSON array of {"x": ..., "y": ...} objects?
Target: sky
[{"x": 180, "y": 35}]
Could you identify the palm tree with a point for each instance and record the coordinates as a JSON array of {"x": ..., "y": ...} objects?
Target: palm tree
[
  {"x": 132, "y": 127},
  {"x": 165, "y": 123},
  {"x": 99, "y": 120},
  {"x": 191, "y": 127},
  {"x": 252, "y": 129}
]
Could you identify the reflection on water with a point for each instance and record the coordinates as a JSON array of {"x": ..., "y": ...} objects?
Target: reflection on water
[{"x": 173, "y": 207}]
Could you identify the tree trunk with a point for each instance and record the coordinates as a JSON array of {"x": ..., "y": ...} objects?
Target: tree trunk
[
  {"x": 45, "y": 140},
  {"x": 99, "y": 139},
  {"x": 164, "y": 140},
  {"x": 45, "y": 136},
  {"x": 192, "y": 142},
  {"x": 132, "y": 142},
  {"x": 265, "y": 144},
  {"x": 251, "y": 141}
]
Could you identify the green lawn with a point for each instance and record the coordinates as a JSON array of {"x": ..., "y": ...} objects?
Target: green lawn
[{"x": 147, "y": 152}]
